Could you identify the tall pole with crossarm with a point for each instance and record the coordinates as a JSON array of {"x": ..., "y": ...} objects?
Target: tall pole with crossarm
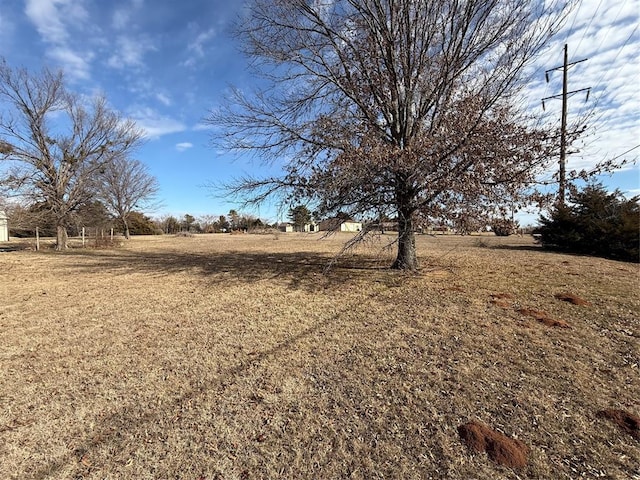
[{"x": 562, "y": 180}]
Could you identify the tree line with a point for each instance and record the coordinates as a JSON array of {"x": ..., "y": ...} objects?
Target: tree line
[{"x": 67, "y": 158}]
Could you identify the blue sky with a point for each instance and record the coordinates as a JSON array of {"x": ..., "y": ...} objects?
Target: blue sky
[{"x": 165, "y": 64}]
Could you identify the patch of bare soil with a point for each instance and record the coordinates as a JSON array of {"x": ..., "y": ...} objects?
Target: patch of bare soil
[
  {"x": 501, "y": 300},
  {"x": 628, "y": 422},
  {"x": 572, "y": 298},
  {"x": 543, "y": 318},
  {"x": 503, "y": 450}
]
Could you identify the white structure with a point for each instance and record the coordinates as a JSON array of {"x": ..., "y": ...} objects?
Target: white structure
[
  {"x": 350, "y": 226},
  {"x": 335, "y": 224},
  {"x": 4, "y": 227},
  {"x": 311, "y": 227},
  {"x": 308, "y": 227}
]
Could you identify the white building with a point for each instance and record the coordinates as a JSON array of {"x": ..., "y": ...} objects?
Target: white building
[
  {"x": 4, "y": 227},
  {"x": 336, "y": 224}
]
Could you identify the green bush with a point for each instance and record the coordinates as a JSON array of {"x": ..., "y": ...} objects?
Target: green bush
[{"x": 595, "y": 222}]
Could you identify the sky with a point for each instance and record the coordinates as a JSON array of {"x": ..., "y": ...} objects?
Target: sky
[{"x": 166, "y": 64}]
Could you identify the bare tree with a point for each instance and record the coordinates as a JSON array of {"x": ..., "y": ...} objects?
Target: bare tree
[
  {"x": 124, "y": 185},
  {"x": 54, "y": 142},
  {"x": 401, "y": 106},
  {"x": 23, "y": 218}
]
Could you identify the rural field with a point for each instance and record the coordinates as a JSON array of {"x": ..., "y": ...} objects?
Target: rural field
[{"x": 238, "y": 357}]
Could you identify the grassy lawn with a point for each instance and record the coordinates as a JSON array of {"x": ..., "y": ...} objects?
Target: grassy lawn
[{"x": 236, "y": 357}]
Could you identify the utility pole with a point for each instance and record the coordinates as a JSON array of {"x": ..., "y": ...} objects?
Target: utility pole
[{"x": 562, "y": 181}]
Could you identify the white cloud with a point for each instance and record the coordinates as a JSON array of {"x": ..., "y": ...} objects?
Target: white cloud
[
  {"x": 122, "y": 16},
  {"x": 154, "y": 124},
  {"x": 164, "y": 99},
  {"x": 607, "y": 36},
  {"x": 54, "y": 20},
  {"x": 201, "y": 127},
  {"x": 197, "y": 47},
  {"x": 130, "y": 52},
  {"x": 181, "y": 147},
  {"x": 75, "y": 65}
]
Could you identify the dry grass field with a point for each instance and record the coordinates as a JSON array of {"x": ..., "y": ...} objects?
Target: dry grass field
[{"x": 235, "y": 357}]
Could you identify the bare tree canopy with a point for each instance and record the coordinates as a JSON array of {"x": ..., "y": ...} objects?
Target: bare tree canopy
[
  {"x": 54, "y": 142},
  {"x": 124, "y": 185},
  {"x": 405, "y": 107}
]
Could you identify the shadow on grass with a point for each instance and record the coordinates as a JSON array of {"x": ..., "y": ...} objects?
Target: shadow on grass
[
  {"x": 108, "y": 431},
  {"x": 297, "y": 270}
]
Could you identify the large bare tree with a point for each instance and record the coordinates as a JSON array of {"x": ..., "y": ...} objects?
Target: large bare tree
[
  {"x": 54, "y": 142},
  {"x": 124, "y": 185},
  {"x": 401, "y": 107}
]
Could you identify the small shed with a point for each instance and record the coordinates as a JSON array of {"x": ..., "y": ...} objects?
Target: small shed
[
  {"x": 340, "y": 225},
  {"x": 4, "y": 227}
]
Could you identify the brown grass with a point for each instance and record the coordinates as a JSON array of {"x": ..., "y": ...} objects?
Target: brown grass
[{"x": 227, "y": 357}]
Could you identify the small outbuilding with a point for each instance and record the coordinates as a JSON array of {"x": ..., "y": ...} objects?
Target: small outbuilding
[
  {"x": 4, "y": 227},
  {"x": 340, "y": 225}
]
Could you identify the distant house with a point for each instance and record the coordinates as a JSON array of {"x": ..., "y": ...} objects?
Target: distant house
[
  {"x": 4, "y": 227},
  {"x": 340, "y": 225},
  {"x": 311, "y": 227},
  {"x": 308, "y": 227}
]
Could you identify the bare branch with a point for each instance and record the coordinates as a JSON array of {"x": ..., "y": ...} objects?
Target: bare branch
[
  {"x": 403, "y": 104},
  {"x": 58, "y": 162}
]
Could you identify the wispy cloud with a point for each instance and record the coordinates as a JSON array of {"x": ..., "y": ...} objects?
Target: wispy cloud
[
  {"x": 181, "y": 147},
  {"x": 607, "y": 36},
  {"x": 196, "y": 49},
  {"x": 155, "y": 124},
  {"x": 54, "y": 20},
  {"x": 164, "y": 99},
  {"x": 202, "y": 127},
  {"x": 130, "y": 51},
  {"x": 197, "y": 46},
  {"x": 122, "y": 16},
  {"x": 74, "y": 63}
]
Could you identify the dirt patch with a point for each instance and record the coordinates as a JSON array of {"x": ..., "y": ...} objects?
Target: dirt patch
[
  {"x": 503, "y": 450},
  {"x": 543, "y": 318},
  {"x": 626, "y": 421},
  {"x": 571, "y": 298},
  {"x": 502, "y": 296},
  {"x": 501, "y": 299}
]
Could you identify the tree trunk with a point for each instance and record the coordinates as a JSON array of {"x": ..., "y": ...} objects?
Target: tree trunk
[
  {"x": 61, "y": 237},
  {"x": 406, "y": 259}
]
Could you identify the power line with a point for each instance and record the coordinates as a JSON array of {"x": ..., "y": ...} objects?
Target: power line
[
  {"x": 563, "y": 127},
  {"x": 589, "y": 25},
  {"x": 624, "y": 153}
]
